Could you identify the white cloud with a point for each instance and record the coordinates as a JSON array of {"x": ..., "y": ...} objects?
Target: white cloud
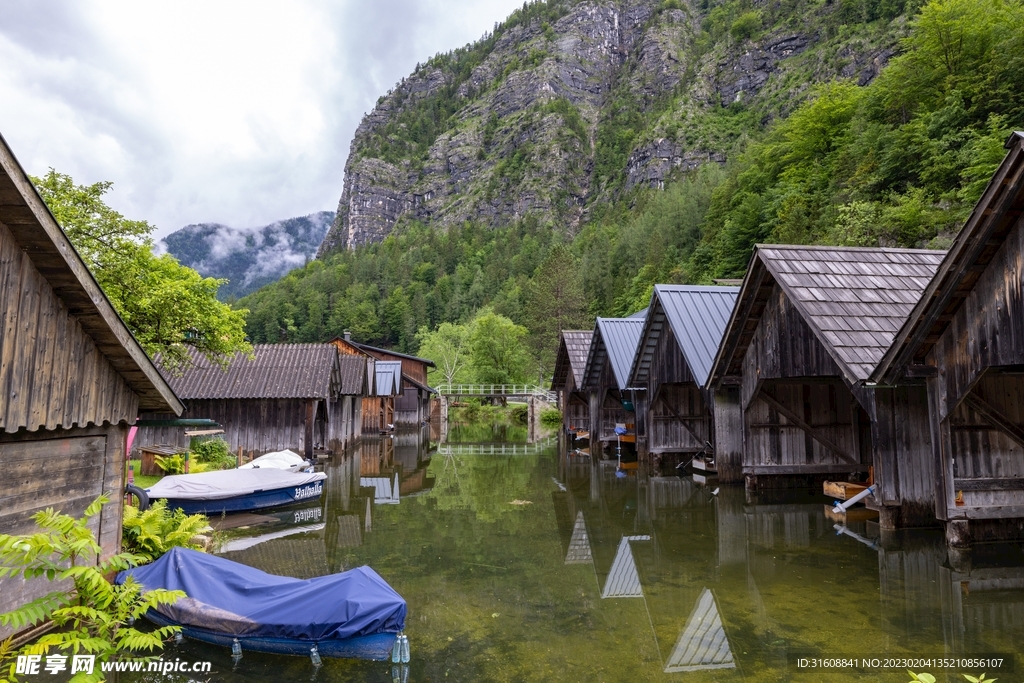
[{"x": 232, "y": 112}]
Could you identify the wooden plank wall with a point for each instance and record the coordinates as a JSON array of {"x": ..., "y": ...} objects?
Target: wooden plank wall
[
  {"x": 666, "y": 432},
  {"x": 729, "y": 433},
  {"x": 773, "y": 441},
  {"x": 902, "y": 454},
  {"x": 783, "y": 346},
  {"x": 981, "y": 353},
  {"x": 66, "y": 470},
  {"x": 577, "y": 411},
  {"x": 258, "y": 426},
  {"x": 51, "y": 373}
]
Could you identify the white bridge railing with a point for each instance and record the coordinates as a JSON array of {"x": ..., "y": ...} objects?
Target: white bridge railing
[
  {"x": 497, "y": 390},
  {"x": 493, "y": 448}
]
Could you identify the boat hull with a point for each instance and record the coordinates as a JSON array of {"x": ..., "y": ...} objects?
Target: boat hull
[
  {"x": 258, "y": 500},
  {"x": 375, "y": 647}
]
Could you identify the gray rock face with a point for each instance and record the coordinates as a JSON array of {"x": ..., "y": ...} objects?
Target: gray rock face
[{"x": 524, "y": 138}]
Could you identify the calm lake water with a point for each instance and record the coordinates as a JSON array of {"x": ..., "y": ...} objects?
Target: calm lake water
[{"x": 534, "y": 565}]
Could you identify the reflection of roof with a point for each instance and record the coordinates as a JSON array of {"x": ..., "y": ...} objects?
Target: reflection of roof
[
  {"x": 275, "y": 371},
  {"x": 615, "y": 341},
  {"x": 350, "y": 533},
  {"x": 302, "y": 558},
  {"x": 579, "y": 544},
  {"x": 623, "y": 578},
  {"x": 703, "y": 643},
  {"x": 389, "y": 377},
  {"x": 573, "y": 348},
  {"x": 385, "y": 489},
  {"x": 697, "y": 317}
]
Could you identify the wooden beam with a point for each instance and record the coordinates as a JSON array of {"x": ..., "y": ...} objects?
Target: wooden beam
[
  {"x": 682, "y": 421},
  {"x": 983, "y": 484},
  {"x": 811, "y": 431},
  {"x": 996, "y": 417}
]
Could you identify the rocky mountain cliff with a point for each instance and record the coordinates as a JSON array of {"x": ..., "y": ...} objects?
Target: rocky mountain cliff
[
  {"x": 248, "y": 257},
  {"x": 569, "y": 104}
]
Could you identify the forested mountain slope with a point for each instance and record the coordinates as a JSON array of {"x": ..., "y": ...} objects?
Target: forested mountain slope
[
  {"x": 660, "y": 149},
  {"x": 569, "y": 103}
]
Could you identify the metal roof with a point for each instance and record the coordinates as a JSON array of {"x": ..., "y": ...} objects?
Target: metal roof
[
  {"x": 697, "y": 317},
  {"x": 614, "y": 339},
  {"x": 39, "y": 235},
  {"x": 352, "y": 369},
  {"x": 854, "y": 299},
  {"x": 990, "y": 223},
  {"x": 573, "y": 347},
  {"x": 275, "y": 371},
  {"x": 389, "y": 377}
]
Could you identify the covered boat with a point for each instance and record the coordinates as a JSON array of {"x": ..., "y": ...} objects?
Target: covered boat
[
  {"x": 213, "y": 493},
  {"x": 352, "y": 614},
  {"x": 278, "y": 460}
]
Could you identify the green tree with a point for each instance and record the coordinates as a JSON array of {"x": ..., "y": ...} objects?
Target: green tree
[
  {"x": 498, "y": 348},
  {"x": 168, "y": 307},
  {"x": 448, "y": 346},
  {"x": 556, "y": 302}
]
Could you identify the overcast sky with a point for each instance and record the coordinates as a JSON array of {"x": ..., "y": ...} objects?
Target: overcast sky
[{"x": 215, "y": 111}]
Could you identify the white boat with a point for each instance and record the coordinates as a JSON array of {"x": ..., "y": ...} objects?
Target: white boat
[{"x": 278, "y": 460}]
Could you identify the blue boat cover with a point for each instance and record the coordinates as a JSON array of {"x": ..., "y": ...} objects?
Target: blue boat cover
[{"x": 228, "y": 597}]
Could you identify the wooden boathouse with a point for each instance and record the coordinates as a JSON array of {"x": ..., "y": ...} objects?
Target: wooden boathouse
[
  {"x": 412, "y": 404},
  {"x": 567, "y": 381},
  {"x": 965, "y": 341},
  {"x": 606, "y": 380},
  {"x": 304, "y": 397},
  {"x": 72, "y": 378},
  {"x": 809, "y": 327},
  {"x": 682, "y": 332}
]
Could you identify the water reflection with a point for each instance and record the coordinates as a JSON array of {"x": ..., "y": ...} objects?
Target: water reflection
[{"x": 534, "y": 565}]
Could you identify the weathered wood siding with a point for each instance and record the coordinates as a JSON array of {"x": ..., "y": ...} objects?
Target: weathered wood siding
[
  {"x": 783, "y": 346},
  {"x": 729, "y": 433},
  {"x": 980, "y": 356},
  {"x": 257, "y": 426},
  {"x": 679, "y": 420},
  {"x": 51, "y": 372},
  {"x": 577, "y": 411},
  {"x": 65, "y": 469},
  {"x": 903, "y": 458}
]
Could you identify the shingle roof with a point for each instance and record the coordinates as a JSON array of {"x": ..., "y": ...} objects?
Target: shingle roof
[
  {"x": 697, "y": 316},
  {"x": 275, "y": 371},
  {"x": 995, "y": 215},
  {"x": 573, "y": 347},
  {"x": 853, "y": 298},
  {"x": 353, "y": 374},
  {"x": 389, "y": 377},
  {"x": 614, "y": 340}
]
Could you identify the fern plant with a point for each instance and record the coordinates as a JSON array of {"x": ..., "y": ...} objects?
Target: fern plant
[
  {"x": 170, "y": 464},
  {"x": 91, "y": 614},
  {"x": 152, "y": 533}
]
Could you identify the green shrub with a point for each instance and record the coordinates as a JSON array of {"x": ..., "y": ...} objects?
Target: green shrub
[
  {"x": 551, "y": 417},
  {"x": 215, "y": 453},
  {"x": 152, "y": 533},
  {"x": 91, "y": 615},
  {"x": 171, "y": 464},
  {"x": 746, "y": 26},
  {"x": 520, "y": 414}
]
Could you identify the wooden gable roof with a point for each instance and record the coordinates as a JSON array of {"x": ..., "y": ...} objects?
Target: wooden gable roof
[
  {"x": 854, "y": 299},
  {"x": 697, "y": 317},
  {"x": 573, "y": 347},
  {"x": 39, "y": 235},
  {"x": 994, "y": 216}
]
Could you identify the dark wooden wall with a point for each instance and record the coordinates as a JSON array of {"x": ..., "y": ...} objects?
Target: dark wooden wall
[
  {"x": 676, "y": 417},
  {"x": 51, "y": 372},
  {"x": 978, "y": 394},
  {"x": 65, "y": 469},
  {"x": 902, "y": 455}
]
